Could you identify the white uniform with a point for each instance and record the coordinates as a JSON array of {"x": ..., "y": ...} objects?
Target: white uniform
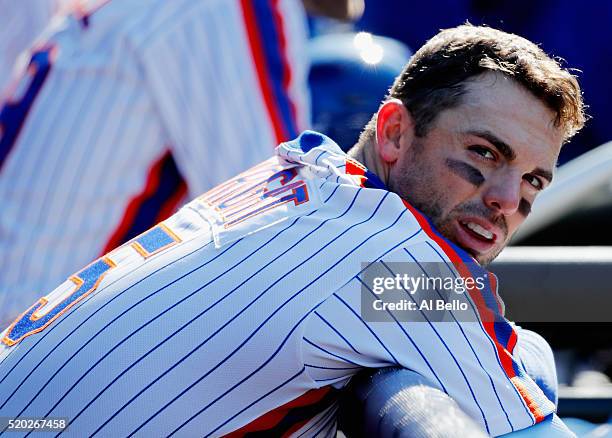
[
  {"x": 127, "y": 108},
  {"x": 242, "y": 312}
]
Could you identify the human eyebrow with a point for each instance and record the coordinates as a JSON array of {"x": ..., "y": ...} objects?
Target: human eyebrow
[
  {"x": 508, "y": 152},
  {"x": 500, "y": 145}
]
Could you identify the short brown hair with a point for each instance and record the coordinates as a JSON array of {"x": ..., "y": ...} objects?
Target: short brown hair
[{"x": 434, "y": 78}]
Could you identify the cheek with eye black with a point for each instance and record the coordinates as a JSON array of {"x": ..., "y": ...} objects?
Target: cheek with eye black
[
  {"x": 524, "y": 207},
  {"x": 465, "y": 171},
  {"x": 475, "y": 177}
]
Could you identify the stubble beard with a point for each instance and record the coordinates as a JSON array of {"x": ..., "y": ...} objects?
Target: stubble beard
[{"x": 416, "y": 185}]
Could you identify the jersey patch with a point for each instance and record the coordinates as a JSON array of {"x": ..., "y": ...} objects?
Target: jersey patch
[{"x": 261, "y": 197}]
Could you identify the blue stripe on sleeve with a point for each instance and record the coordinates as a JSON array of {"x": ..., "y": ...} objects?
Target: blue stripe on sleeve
[
  {"x": 410, "y": 339},
  {"x": 368, "y": 327},
  {"x": 337, "y": 332},
  {"x": 330, "y": 353}
]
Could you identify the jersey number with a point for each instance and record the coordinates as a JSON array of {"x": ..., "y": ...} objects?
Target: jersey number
[{"x": 37, "y": 318}]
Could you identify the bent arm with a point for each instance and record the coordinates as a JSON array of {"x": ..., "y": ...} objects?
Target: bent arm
[{"x": 401, "y": 403}]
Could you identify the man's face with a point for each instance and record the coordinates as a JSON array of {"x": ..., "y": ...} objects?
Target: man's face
[{"x": 481, "y": 165}]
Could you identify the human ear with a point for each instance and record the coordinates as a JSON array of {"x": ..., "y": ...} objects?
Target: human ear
[{"x": 394, "y": 130}]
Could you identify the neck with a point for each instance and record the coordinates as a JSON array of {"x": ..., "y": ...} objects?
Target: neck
[{"x": 366, "y": 154}]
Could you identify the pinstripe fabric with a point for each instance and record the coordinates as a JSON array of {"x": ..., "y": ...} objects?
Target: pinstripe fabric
[
  {"x": 138, "y": 80},
  {"x": 244, "y": 317}
]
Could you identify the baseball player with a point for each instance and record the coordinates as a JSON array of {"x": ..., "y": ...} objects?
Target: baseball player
[
  {"x": 125, "y": 109},
  {"x": 244, "y": 312}
]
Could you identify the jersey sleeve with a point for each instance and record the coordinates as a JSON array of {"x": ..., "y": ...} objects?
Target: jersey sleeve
[
  {"x": 468, "y": 353},
  {"x": 229, "y": 82}
]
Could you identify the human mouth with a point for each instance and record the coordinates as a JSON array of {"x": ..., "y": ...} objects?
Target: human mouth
[
  {"x": 476, "y": 235},
  {"x": 485, "y": 234}
]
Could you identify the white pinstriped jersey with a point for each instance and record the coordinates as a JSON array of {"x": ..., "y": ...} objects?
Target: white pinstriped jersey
[
  {"x": 127, "y": 108},
  {"x": 241, "y": 312}
]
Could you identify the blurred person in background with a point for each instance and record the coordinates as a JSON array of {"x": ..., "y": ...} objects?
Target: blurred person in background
[{"x": 127, "y": 108}]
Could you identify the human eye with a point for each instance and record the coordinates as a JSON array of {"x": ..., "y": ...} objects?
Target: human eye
[
  {"x": 534, "y": 181},
  {"x": 482, "y": 151}
]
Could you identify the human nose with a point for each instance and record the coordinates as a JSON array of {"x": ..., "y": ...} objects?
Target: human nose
[{"x": 503, "y": 193}]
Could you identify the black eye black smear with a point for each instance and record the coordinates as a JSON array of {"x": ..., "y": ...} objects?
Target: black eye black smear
[
  {"x": 524, "y": 207},
  {"x": 465, "y": 171},
  {"x": 473, "y": 176}
]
